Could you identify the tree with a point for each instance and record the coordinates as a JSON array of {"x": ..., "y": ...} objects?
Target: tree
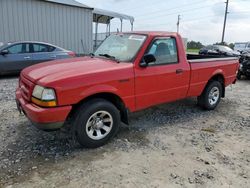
[
  {"x": 231, "y": 45},
  {"x": 194, "y": 45}
]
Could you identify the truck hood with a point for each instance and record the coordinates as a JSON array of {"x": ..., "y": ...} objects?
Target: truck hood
[{"x": 67, "y": 68}]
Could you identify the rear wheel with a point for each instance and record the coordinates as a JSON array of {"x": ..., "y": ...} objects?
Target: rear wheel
[
  {"x": 211, "y": 96},
  {"x": 96, "y": 122}
]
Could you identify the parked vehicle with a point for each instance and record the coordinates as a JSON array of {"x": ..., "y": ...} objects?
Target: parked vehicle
[
  {"x": 218, "y": 50},
  {"x": 210, "y": 49},
  {"x": 127, "y": 73},
  {"x": 242, "y": 46},
  {"x": 244, "y": 69},
  {"x": 16, "y": 56}
]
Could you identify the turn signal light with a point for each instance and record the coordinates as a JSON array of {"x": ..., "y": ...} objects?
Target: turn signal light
[{"x": 43, "y": 103}]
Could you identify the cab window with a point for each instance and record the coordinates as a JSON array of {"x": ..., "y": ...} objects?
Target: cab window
[{"x": 164, "y": 50}]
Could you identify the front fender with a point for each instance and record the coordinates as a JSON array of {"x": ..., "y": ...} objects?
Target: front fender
[{"x": 98, "y": 89}]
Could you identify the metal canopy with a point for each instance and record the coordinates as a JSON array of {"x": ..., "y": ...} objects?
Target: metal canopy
[{"x": 104, "y": 16}]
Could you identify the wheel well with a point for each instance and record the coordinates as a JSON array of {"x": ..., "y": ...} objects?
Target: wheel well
[
  {"x": 114, "y": 99},
  {"x": 220, "y": 78}
]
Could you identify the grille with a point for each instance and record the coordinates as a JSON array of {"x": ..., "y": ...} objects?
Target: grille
[{"x": 26, "y": 88}]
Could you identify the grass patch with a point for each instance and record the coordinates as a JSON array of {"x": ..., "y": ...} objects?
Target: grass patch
[{"x": 193, "y": 51}]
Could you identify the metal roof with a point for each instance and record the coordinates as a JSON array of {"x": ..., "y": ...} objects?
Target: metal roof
[
  {"x": 104, "y": 16},
  {"x": 100, "y": 15},
  {"x": 70, "y": 3}
]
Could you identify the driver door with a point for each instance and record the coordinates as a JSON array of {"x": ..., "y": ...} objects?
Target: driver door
[{"x": 165, "y": 80}]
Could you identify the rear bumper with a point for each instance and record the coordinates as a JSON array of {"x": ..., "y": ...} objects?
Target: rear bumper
[{"x": 43, "y": 118}]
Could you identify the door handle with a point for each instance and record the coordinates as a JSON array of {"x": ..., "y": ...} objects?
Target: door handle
[
  {"x": 27, "y": 57},
  {"x": 53, "y": 56},
  {"x": 179, "y": 71}
]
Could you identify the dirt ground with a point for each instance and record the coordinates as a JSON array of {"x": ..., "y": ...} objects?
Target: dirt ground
[{"x": 172, "y": 145}]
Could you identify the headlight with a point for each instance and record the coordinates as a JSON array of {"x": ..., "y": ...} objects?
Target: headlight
[{"x": 45, "y": 97}]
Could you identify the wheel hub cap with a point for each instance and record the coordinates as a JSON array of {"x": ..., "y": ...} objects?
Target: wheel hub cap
[
  {"x": 214, "y": 96},
  {"x": 99, "y": 125}
]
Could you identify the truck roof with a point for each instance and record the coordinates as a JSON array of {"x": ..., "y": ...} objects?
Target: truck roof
[{"x": 154, "y": 33}]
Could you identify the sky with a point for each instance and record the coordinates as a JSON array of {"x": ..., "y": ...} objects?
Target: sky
[{"x": 201, "y": 20}]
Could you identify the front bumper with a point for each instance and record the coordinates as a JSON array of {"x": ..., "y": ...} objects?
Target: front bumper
[{"x": 43, "y": 118}]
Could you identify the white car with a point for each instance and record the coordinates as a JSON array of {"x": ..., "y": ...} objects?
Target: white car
[{"x": 242, "y": 46}]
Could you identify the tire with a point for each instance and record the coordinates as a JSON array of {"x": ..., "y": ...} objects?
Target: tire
[
  {"x": 211, "y": 95},
  {"x": 95, "y": 123},
  {"x": 239, "y": 76}
]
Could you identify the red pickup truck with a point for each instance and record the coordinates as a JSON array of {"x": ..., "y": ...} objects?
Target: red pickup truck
[{"x": 128, "y": 72}]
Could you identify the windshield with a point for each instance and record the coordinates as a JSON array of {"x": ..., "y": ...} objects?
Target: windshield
[
  {"x": 4, "y": 45},
  {"x": 122, "y": 47},
  {"x": 225, "y": 48}
]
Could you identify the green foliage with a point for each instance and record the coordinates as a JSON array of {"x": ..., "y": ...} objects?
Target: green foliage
[
  {"x": 231, "y": 45},
  {"x": 196, "y": 51},
  {"x": 194, "y": 45}
]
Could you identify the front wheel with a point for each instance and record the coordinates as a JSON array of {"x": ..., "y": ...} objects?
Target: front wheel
[
  {"x": 211, "y": 96},
  {"x": 96, "y": 122}
]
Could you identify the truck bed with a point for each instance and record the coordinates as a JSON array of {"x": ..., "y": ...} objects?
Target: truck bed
[
  {"x": 203, "y": 69},
  {"x": 201, "y": 57}
]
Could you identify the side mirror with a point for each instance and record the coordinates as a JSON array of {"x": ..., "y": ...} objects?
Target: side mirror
[
  {"x": 148, "y": 58},
  {"x": 4, "y": 52}
]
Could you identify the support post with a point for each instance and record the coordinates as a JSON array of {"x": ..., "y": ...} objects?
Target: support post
[
  {"x": 121, "y": 25},
  {"x": 96, "y": 32},
  {"x": 109, "y": 27},
  {"x": 225, "y": 21},
  {"x": 132, "y": 26}
]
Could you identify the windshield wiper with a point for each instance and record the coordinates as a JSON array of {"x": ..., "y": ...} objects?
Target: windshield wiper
[{"x": 109, "y": 57}]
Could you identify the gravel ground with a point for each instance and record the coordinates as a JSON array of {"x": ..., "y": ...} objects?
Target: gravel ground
[{"x": 172, "y": 145}]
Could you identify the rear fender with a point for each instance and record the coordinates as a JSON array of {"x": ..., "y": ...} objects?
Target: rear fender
[{"x": 218, "y": 75}]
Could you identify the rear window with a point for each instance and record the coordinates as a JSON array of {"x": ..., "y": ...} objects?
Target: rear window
[{"x": 43, "y": 48}]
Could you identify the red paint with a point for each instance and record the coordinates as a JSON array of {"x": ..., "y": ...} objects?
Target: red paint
[
  {"x": 43, "y": 115},
  {"x": 139, "y": 88}
]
